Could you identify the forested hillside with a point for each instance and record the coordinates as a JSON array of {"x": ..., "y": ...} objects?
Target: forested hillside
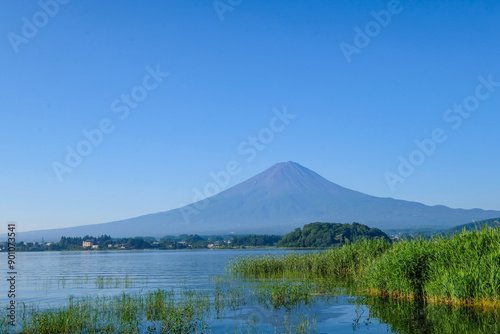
[{"x": 329, "y": 234}]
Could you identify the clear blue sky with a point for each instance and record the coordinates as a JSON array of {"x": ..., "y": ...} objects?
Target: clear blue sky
[{"x": 353, "y": 119}]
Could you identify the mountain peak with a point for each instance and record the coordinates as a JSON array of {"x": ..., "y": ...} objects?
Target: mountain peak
[
  {"x": 287, "y": 167},
  {"x": 287, "y": 164},
  {"x": 283, "y": 178}
]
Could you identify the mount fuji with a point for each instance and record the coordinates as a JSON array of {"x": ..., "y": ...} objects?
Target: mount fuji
[{"x": 278, "y": 200}]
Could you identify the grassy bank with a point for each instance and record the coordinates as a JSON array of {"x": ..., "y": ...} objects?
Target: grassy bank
[{"x": 463, "y": 269}]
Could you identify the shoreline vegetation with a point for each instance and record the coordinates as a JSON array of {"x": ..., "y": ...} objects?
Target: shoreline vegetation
[
  {"x": 460, "y": 270},
  {"x": 311, "y": 236}
]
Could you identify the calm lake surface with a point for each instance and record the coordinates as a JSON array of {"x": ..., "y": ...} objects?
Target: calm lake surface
[{"x": 47, "y": 279}]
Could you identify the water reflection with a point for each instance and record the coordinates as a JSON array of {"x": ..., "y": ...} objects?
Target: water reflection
[{"x": 405, "y": 316}]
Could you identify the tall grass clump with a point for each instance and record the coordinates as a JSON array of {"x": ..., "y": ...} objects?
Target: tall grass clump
[
  {"x": 464, "y": 269},
  {"x": 402, "y": 270},
  {"x": 339, "y": 263},
  {"x": 284, "y": 294}
]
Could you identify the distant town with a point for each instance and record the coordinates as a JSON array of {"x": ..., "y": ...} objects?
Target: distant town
[
  {"x": 314, "y": 235},
  {"x": 106, "y": 242}
]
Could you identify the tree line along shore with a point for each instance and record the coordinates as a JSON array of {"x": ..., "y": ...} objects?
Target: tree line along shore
[{"x": 314, "y": 235}]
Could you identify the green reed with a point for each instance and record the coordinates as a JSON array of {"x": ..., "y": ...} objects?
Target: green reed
[
  {"x": 284, "y": 294},
  {"x": 463, "y": 269},
  {"x": 157, "y": 311},
  {"x": 337, "y": 263}
]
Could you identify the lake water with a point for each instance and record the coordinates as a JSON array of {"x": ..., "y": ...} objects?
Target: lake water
[{"x": 47, "y": 279}]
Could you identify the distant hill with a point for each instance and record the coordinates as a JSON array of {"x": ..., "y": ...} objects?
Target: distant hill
[
  {"x": 283, "y": 197},
  {"x": 329, "y": 234},
  {"x": 473, "y": 226}
]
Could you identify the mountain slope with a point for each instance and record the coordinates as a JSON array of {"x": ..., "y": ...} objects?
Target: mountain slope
[
  {"x": 474, "y": 226},
  {"x": 281, "y": 198}
]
